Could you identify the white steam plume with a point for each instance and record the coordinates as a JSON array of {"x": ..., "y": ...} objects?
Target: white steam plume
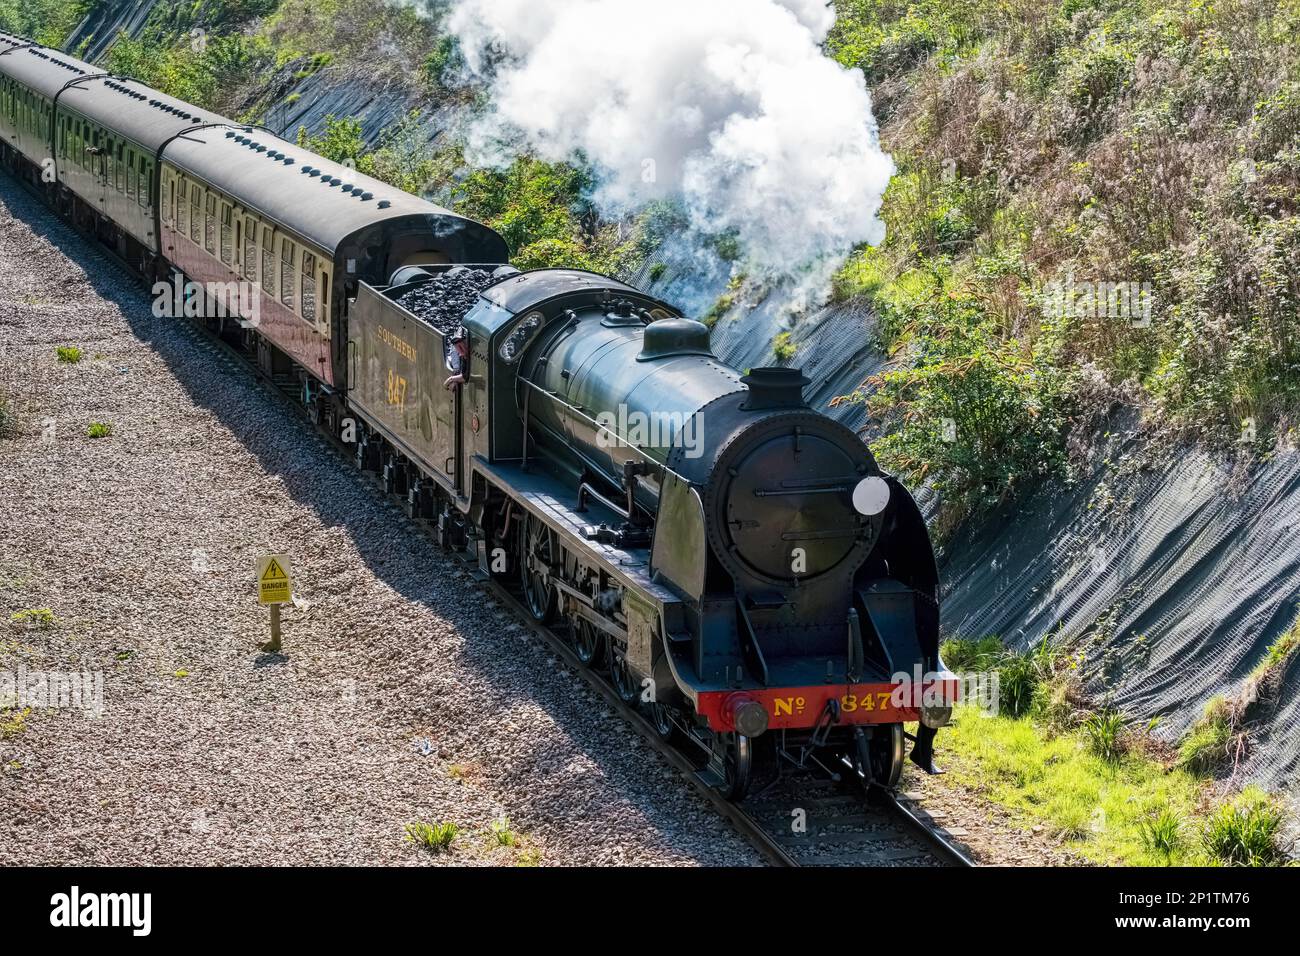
[{"x": 728, "y": 105}]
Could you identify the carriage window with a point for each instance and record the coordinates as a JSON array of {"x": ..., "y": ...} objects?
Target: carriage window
[
  {"x": 130, "y": 173},
  {"x": 325, "y": 295},
  {"x": 226, "y": 251},
  {"x": 120, "y": 170},
  {"x": 250, "y": 250},
  {"x": 146, "y": 185},
  {"x": 183, "y": 208},
  {"x": 308, "y": 286},
  {"x": 268, "y": 261},
  {"x": 86, "y": 140},
  {"x": 110, "y": 165},
  {"x": 287, "y": 260},
  {"x": 196, "y": 213},
  {"x": 210, "y": 225}
]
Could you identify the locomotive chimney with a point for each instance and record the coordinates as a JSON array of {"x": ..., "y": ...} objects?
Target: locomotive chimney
[{"x": 774, "y": 387}]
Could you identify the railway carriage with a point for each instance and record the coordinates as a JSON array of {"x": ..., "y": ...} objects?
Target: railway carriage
[
  {"x": 240, "y": 205},
  {"x": 736, "y": 559},
  {"x": 30, "y": 79}
]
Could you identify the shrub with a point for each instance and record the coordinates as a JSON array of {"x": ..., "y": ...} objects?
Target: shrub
[
  {"x": 1105, "y": 732},
  {"x": 14, "y": 722},
  {"x": 1205, "y": 749},
  {"x": 99, "y": 429},
  {"x": 1017, "y": 681},
  {"x": 443, "y": 65},
  {"x": 965, "y": 654},
  {"x": 1162, "y": 834},
  {"x": 719, "y": 309},
  {"x": 975, "y": 414},
  {"x": 340, "y": 140},
  {"x": 1246, "y": 832},
  {"x": 69, "y": 354},
  {"x": 783, "y": 350},
  {"x": 46, "y": 21}
]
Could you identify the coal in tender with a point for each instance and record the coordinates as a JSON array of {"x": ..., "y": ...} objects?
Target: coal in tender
[{"x": 444, "y": 300}]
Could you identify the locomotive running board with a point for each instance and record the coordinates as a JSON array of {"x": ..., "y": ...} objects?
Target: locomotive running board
[{"x": 555, "y": 504}]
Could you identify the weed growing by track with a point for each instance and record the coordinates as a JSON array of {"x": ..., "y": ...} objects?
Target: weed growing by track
[{"x": 434, "y": 837}]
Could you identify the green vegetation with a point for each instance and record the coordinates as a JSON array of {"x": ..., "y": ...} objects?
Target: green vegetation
[
  {"x": 443, "y": 64},
  {"x": 99, "y": 429},
  {"x": 783, "y": 350},
  {"x": 1105, "y": 733},
  {"x": 719, "y": 309},
  {"x": 33, "y": 618},
  {"x": 1089, "y": 776},
  {"x": 203, "y": 69},
  {"x": 529, "y": 856},
  {"x": 501, "y": 834},
  {"x": 436, "y": 837},
  {"x": 541, "y": 210},
  {"x": 13, "y": 722},
  {"x": 1279, "y": 653},
  {"x": 340, "y": 140},
  {"x": 1063, "y": 167},
  {"x": 1219, "y": 739},
  {"x": 1246, "y": 831},
  {"x": 1162, "y": 834},
  {"x": 46, "y": 21},
  {"x": 1206, "y": 748},
  {"x": 69, "y": 354}
]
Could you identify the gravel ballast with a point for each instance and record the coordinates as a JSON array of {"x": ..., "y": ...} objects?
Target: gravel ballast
[{"x": 403, "y": 693}]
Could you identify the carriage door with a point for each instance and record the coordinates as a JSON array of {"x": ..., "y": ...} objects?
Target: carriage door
[{"x": 100, "y": 159}]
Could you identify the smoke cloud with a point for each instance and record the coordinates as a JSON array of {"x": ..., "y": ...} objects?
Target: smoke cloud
[{"x": 729, "y": 106}]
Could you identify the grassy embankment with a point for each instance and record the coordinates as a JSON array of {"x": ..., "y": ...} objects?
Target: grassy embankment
[{"x": 1099, "y": 782}]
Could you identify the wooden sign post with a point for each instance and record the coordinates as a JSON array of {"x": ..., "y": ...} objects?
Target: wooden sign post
[{"x": 274, "y": 587}]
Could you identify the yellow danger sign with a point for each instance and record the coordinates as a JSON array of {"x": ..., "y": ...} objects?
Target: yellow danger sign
[{"x": 274, "y": 579}]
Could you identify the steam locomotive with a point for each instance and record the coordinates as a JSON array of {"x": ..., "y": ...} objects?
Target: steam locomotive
[{"x": 736, "y": 560}]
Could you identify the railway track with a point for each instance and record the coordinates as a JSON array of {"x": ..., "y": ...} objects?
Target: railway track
[{"x": 800, "y": 820}]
